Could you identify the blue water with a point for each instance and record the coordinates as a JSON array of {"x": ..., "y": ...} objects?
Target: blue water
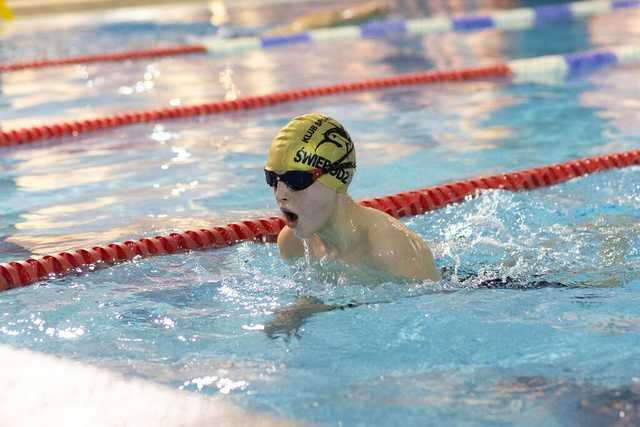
[{"x": 534, "y": 324}]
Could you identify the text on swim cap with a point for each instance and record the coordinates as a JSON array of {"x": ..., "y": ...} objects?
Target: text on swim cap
[
  {"x": 312, "y": 129},
  {"x": 309, "y": 133},
  {"x": 317, "y": 161}
]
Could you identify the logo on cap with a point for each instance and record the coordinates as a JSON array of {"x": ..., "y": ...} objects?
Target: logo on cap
[{"x": 336, "y": 136}]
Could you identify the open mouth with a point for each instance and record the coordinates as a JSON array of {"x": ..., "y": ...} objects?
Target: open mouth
[{"x": 291, "y": 217}]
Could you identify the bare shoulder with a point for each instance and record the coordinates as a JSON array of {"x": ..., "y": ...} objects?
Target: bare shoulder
[
  {"x": 290, "y": 246},
  {"x": 398, "y": 250},
  {"x": 383, "y": 226}
]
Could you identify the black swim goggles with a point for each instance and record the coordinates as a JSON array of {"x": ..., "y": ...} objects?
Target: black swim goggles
[{"x": 299, "y": 180}]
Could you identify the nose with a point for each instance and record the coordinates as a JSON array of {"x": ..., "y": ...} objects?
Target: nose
[{"x": 282, "y": 191}]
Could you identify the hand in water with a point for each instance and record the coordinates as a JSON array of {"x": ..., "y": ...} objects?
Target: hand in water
[{"x": 288, "y": 320}]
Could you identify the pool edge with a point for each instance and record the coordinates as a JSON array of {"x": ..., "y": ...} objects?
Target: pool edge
[{"x": 40, "y": 389}]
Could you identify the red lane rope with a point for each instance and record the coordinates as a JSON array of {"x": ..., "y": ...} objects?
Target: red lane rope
[
  {"x": 107, "y": 57},
  {"x": 22, "y": 273},
  {"x": 73, "y": 128}
]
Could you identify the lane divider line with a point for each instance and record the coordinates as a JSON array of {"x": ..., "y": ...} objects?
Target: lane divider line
[
  {"x": 22, "y": 273},
  {"x": 552, "y": 68},
  {"x": 105, "y": 57},
  {"x": 74, "y": 128},
  {"x": 508, "y": 20}
]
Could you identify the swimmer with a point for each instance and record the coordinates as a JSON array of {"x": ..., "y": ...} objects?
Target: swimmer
[
  {"x": 310, "y": 165},
  {"x": 316, "y": 19},
  {"x": 352, "y": 15}
]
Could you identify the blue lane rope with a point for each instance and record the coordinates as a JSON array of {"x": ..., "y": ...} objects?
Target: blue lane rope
[{"x": 511, "y": 19}]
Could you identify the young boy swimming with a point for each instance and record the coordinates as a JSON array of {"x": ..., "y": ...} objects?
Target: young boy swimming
[{"x": 310, "y": 165}]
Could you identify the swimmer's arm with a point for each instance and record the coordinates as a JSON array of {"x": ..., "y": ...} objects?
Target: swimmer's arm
[
  {"x": 403, "y": 254},
  {"x": 288, "y": 320},
  {"x": 290, "y": 246}
]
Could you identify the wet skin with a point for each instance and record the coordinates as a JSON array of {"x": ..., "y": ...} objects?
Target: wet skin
[{"x": 337, "y": 228}]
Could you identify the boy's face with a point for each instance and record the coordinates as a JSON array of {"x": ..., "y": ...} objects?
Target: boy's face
[{"x": 306, "y": 211}]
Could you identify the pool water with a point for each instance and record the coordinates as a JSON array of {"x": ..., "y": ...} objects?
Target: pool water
[{"x": 535, "y": 322}]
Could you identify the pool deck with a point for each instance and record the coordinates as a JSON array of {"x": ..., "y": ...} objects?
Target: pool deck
[{"x": 43, "y": 390}]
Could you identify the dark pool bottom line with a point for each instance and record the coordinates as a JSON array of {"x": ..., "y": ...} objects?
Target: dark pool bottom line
[{"x": 21, "y": 273}]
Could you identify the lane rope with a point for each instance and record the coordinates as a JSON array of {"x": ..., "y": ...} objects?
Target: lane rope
[
  {"x": 546, "y": 68},
  {"x": 508, "y": 20},
  {"x": 22, "y": 273},
  {"x": 74, "y": 128},
  {"x": 107, "y": 57}
]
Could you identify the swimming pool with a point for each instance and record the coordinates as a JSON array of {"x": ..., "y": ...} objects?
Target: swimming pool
[{"x": 456, "y": 352}]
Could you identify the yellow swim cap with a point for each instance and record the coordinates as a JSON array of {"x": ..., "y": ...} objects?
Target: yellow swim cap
[
  {"x": 5, "y": 12},
  {"x": 314, "y": 141}
]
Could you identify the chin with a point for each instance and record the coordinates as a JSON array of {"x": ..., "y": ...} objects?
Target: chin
[{"x": 301, "y": 234}]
